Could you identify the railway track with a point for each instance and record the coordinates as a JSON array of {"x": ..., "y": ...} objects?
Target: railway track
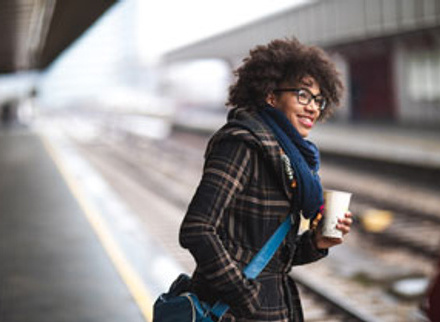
[
  {"x": 172, "y": 168},
  {"x": 414, "y": 211},
  {"x": 320, "y": 306}
]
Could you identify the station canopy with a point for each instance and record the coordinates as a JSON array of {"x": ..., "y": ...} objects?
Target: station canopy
[{"x": 35, "y": 32}]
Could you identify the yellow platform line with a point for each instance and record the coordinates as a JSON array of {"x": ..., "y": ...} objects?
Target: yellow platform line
[{"x": 130, "y": 277}]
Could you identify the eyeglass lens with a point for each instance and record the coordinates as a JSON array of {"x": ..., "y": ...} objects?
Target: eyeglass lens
[{"x": 305, "y": 97}]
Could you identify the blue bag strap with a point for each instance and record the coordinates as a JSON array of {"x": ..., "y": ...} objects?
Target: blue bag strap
[
  {"x": 259, "y": 262},
  {"x": 263, "y": 257}
]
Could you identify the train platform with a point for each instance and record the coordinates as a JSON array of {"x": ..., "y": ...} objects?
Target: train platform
[
  {"x": 69, "y": 250},
  {"x": 395, "y": 144},
  {"x": 72, "y": 251},
  {"x": 390, "y": 143}
]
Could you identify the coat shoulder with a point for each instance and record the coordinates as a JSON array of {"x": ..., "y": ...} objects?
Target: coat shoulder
[{"x": 243, "y": 126}]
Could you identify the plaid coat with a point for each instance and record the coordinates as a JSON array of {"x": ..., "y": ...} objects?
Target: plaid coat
[{"x": 243, "y": 196}]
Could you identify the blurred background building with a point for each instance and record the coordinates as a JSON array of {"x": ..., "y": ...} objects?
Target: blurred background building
[{"x": 388, "y": 52}]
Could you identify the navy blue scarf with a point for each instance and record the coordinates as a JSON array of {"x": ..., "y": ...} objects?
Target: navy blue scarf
[{"x": 304, "y": 159}]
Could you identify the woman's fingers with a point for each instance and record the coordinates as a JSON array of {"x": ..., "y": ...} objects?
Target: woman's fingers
[
  {"x": 344, "y": 224},
  {"x": 345, "y": 229}
]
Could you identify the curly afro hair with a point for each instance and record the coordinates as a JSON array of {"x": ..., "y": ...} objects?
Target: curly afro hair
[{"x": 287, "y": 60}]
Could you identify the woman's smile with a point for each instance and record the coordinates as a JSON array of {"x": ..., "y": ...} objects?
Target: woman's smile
[{"x": 307, "y": 121}]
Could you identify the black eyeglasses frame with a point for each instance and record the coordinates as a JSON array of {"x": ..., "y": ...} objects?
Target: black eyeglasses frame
[{"x": 312, "y": 97}]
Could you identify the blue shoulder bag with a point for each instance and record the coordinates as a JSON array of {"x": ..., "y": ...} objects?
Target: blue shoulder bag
[{"x": 180, "y": 306}]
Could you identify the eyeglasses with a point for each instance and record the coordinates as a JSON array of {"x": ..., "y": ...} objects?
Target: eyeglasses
[{"x": 304, "y": 96}]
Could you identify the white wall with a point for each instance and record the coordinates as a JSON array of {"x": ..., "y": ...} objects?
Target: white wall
[{"x": 417, "y": 77}]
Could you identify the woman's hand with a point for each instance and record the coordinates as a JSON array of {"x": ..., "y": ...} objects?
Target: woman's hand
[{"x": 344, "y": 225}]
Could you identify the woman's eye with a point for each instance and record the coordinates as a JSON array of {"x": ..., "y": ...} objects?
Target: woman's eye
[{"x": 303, "y": 95}]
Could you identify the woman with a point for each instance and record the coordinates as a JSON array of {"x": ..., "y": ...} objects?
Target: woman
[{"x": 258, "y": 170}]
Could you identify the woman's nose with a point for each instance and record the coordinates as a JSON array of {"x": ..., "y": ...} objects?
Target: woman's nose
[{"x": 312, "y": 107}]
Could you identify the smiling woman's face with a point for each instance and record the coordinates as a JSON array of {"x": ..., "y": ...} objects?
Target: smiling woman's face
[{"x": 302, "y": 117}]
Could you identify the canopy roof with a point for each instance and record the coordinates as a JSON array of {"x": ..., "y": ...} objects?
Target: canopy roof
[{"x": 35, "y": 32}]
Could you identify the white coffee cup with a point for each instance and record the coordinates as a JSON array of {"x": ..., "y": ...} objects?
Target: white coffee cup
[{"x": 336, "y": 205}]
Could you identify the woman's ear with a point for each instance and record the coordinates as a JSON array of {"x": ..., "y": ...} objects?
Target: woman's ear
[{"x": 270, "y": 99}]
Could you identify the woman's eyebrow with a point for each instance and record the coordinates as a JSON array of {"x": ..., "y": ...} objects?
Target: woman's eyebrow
[{"x": 309, "y": 84}]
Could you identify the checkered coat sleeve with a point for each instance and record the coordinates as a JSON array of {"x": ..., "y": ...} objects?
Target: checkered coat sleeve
[{"x": 242, "y": 198}]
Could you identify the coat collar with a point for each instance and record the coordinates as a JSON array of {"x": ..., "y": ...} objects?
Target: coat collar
[{"x": 247, "y": 124}]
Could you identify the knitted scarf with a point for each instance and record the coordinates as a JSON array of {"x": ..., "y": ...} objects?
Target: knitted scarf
[{"x": 304, "y": 159}]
